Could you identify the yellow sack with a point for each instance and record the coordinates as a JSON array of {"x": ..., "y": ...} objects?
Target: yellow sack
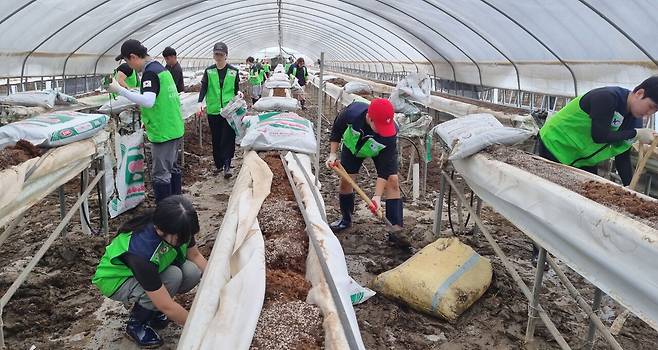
[{"x": 443, "y": 279}]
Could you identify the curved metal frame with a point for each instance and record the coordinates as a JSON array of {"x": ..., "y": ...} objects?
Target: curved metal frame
[
  {"x": 614, "y": 25},
  {"x": 17, "y": 11},
  {"x": 103, "y": 2},
  {"x": 195, "y": 2},
  {"x": 477, "y": 66},
  {"x": 318, "y": 35},
  {"x": 342, "y": 34},
  {"x": 454, "y": 73},
  {"x": 99, "y": 33},
  {"x": 573, "y": 75},
  {"x": 516, "y": 69}
]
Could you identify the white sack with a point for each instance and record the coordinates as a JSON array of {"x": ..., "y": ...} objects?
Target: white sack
[
  {"x": 234, "y": 111},
  {"x": 45, "y": 98},
  {"x": 279, "y": 131},
  {"x": 357, "y": 87},
  {"x": 283, "y": 104},
  {"x": 470, "y": 134},
  {"x": 276, "y": 84},
  {"x": 129, "y": 182},
  {"x": 53, "y": 129},
  {"x": 116, "y": 106}
]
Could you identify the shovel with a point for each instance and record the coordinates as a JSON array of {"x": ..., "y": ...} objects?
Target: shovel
[
  {"x": 395, "y": 232},
  {"x": 642, "y": 161}
]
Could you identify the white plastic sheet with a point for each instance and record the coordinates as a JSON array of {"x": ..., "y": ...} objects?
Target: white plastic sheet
[{"x": 611, "y": 250}]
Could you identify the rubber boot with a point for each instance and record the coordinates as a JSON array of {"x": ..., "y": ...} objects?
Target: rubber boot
[
  {"x": 139, "y": 331},
  {"x": 176, "y": 183},
  {"x": 161, "y": 190},
  {"x": 158, "y": 321},
  {"x": 302, "y": 103},
  {"x": 346, "y": 209},
  {"x": 394, "y": 214},
  {"x": 228, "y": 173}
]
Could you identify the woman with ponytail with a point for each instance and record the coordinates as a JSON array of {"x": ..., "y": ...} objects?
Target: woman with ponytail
[{"x": 153, "y": 258}]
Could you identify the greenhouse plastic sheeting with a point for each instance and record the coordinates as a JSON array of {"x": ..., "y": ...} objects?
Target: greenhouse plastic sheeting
[
  {"x": 562, "y": 47},
  {"x": 611, "y": 250}
]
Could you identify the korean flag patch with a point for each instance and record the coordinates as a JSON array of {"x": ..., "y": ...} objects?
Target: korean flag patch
[{"x": 147, "y": 84}]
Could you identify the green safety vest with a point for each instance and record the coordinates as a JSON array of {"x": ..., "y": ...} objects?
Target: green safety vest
[
  {"x": 266, "y": 68},
  {"x": 286, "y": 67},
  {"x": 111, "y": 272},
  {"x": 369, "y": 149},
  {"x": 132, "y": 81},
  {"x": 218, "y": 96},
  {"x": 256, "y": 78},
  {"x": 164, "y": 121},
  {"x": 294, "y": 73},
  {"x": 568, "y": 135}
]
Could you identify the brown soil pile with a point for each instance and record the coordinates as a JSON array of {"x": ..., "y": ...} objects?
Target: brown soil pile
[
  {"x": 337, "y": 81},
  {"x": 287, "y": 321},
  {"x": 615, "y": 196},
  {"x": 17, "y": 154},
  {"x": 196, "y": 168}
]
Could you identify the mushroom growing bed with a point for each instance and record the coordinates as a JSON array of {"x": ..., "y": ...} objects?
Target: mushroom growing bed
[{"x": 286, "y": 320}]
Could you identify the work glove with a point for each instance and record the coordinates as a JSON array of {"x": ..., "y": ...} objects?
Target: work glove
[
  {"x": 645, "y": 135},
  {"x": 240, "y": 95},
  {"x": 201, "y": 110},
  {"x": 114, "y": 87},
  {"x": 332, "y": 160},
  {"x": 375, "y": 203}
]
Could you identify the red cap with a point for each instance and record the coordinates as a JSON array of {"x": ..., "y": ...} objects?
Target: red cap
[{"x": 381, "y": 113}]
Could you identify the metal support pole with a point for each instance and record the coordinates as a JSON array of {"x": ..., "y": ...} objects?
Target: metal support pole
[
  {"x": 536, "y": 289},
  {"x": 438, "y": 208},
  {"x": 478, "y": 211},
  {"x": 319, "y": 125},
  {"x": 103, "y": 205},
  {"x": 62, "y": 202},
  {"x": 84, "y": 208},
  {"x": 647, "y": 189},
  {"x": 596, "y": 304}
]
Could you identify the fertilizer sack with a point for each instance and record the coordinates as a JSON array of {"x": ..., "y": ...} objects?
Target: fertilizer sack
[
  {"x": 356, "y": 87},
  {"x": 414, "y": 87},
  {"x": 279, "y": 76},
  {"x": 281, "y": 104},
  {"x": 470, "y": 134},
  {"x": 53, "y": 129},
  {"x": 129, "y": 181},
  {"x": 443, "y": 279},
  {"x": 234, "y": 111},
  {"x": 275, "y": 84},
  {"x": 46, "y": 99},
  {"x": 279, "y": 131}
]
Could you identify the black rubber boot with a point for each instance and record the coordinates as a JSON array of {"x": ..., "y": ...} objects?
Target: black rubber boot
[
  {"x": 139, "y": 331},
  {"x": 158, "y": 321},
  {"x": 161, "y": 190},
  {"x": 176, "y": 183},
  {"x": 394, "y": 211},
  {"x": 346, "y": 209}
]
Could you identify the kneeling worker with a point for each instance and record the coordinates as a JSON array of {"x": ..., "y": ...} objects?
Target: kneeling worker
[
  {"x": 367, "y": 131},
  {"x": 161, "y": 116},
  {"x": 153, "y": 258}
]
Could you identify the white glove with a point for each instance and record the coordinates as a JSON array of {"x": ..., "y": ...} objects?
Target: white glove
[
  {"x": 201, "y": 110},
  {"x": 645, "y": 135},
  {"x": 240, "y": 95},
  {"x": 114, "y": 87},
  {"x": 377, "y": 203},
  {"x": 331, "y": 160}
]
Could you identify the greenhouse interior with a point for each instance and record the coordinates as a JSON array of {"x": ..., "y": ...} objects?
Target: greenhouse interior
[{"x": 338, "y": 174}]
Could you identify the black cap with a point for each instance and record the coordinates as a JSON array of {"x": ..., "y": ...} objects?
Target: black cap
[
  {"x": 168, "y": 51},
  {"x": 650, "y": 86},
  {"x": 220, "y": 47},
  {"x": 132, "y": 46}
]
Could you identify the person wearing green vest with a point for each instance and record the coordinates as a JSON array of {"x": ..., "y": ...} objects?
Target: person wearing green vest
[
  {"x": 367, "y": 131},
  {"x": 126, "y": 76},
  {"x": 266, "y": 68},
  {"x": 299, "y": 72},
  {"x": 600, "y": 125},
  {"x": 161, "y": 115},
  {"x": 287, "y": 65},
  {"x": 152, "y": 258},
  {"x": 219, "y": 85},
  {"x": 256, "y": 78}
]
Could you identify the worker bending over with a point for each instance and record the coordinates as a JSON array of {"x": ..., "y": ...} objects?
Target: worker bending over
[
  {"x": 160, "y": 114},
  {"x": 367, "y": 131},
  {"x": 125, "y": 76}
]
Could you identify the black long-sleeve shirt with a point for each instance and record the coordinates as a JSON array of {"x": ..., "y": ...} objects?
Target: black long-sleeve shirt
[
  {"x": 222, "y": 74},
  {"x": 601, "y": 104},
  {"x": 177, "y": 73}
]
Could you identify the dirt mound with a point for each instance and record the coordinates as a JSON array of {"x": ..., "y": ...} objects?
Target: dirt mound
[
  {"x": 337, "y": 81},
  {"x": 616, "y": 196},
  {"x": 17, "y": 154}
]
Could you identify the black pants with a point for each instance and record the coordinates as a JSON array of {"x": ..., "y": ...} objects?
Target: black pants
[{"x": 223, "y": 141}]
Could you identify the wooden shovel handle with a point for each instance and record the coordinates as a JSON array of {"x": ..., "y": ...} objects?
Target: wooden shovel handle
[
  {"x": 343, "y": 173},
  {"x": 642, "y": 162}
]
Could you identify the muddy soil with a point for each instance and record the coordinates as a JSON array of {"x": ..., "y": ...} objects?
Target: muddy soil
[
  {"x": 17, "y": 154},
  {"x": 287, "y": 321}
]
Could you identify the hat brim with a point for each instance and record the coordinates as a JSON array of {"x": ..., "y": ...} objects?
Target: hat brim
[
  {"x": 386, "y": 130},
  {"x": 118, "y": 58}
]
